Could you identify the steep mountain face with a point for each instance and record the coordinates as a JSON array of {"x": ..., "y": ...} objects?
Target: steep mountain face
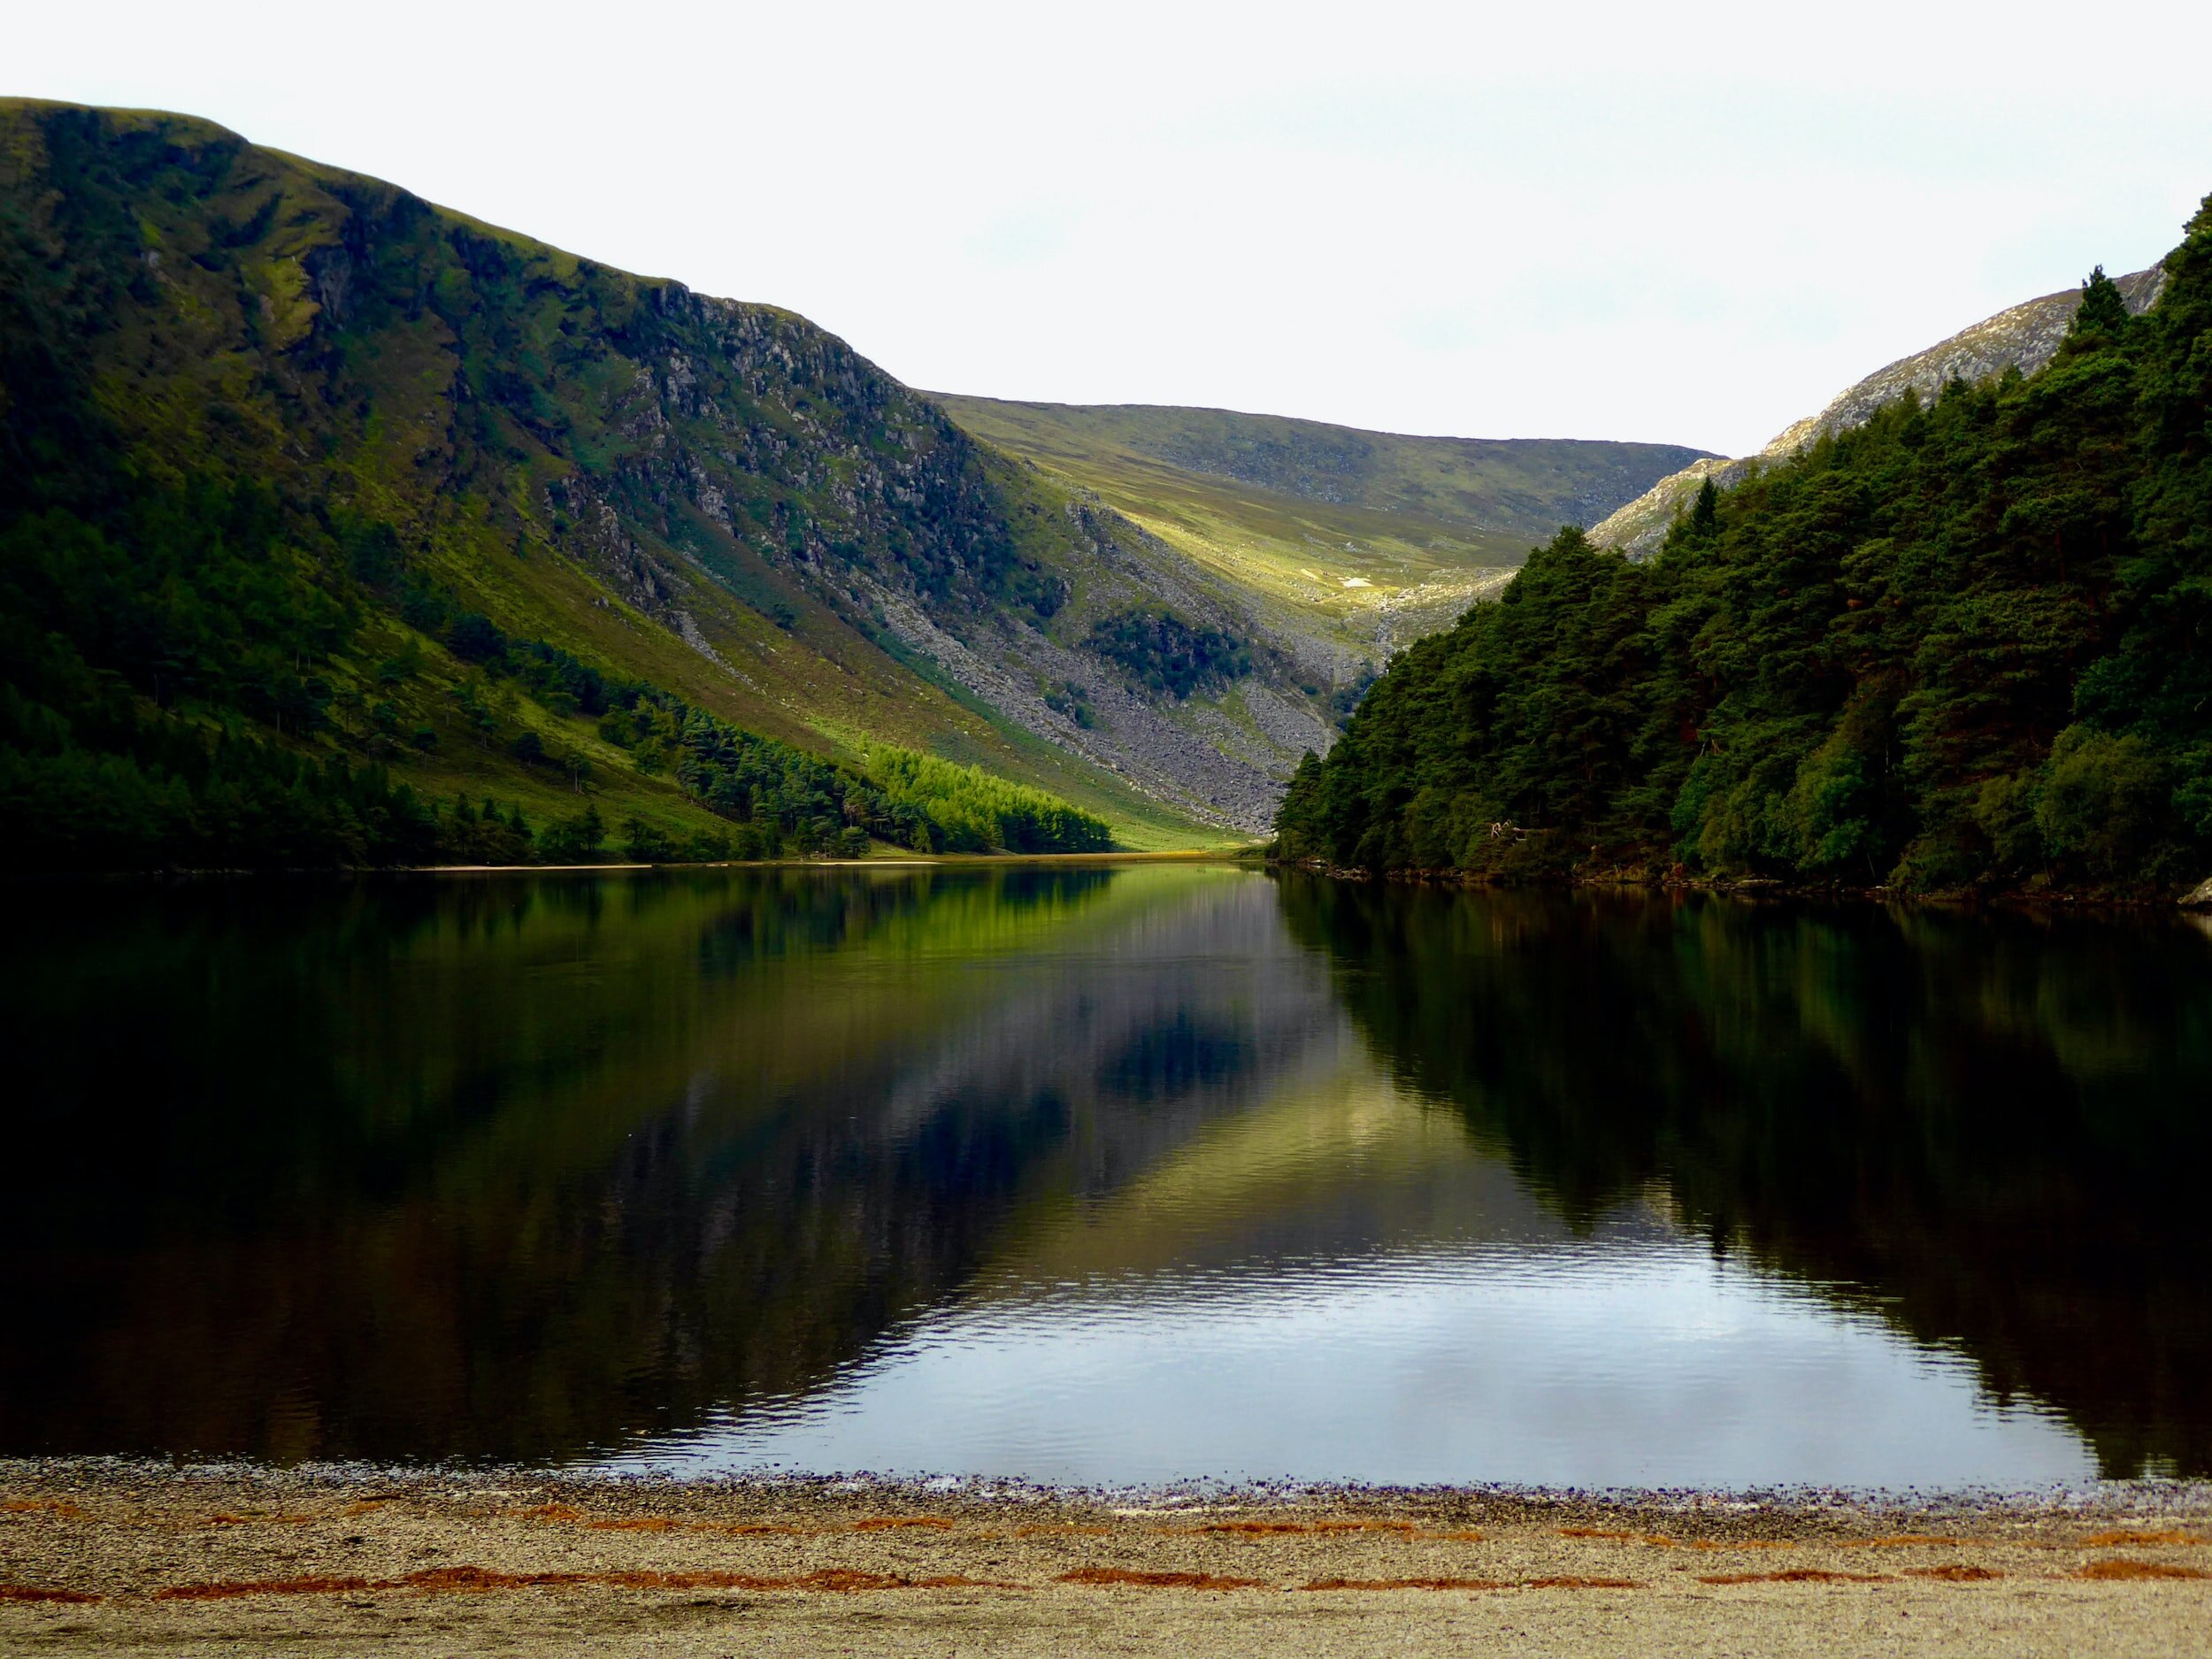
[
  {"x": 447, "y": 420},
  {"x": 2023, "y": 337},
  {"x": 1346, "y": 543}
]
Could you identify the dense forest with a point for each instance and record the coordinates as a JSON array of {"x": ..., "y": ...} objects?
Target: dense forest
[
  {"x": 936, "y": 806},
  {"x": 1967, "y": 646},
  {"x": 167, "y": 699},
  {"x": 1161, "y": 651}
]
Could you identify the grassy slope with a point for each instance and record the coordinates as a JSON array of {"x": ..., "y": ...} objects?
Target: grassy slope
[
  {"x": 470, "y": 370},
  {"x": 1291, "y": 511}
]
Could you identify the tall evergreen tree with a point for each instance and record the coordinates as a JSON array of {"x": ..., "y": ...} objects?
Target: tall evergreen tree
[{"x": 1706, "y": 514}]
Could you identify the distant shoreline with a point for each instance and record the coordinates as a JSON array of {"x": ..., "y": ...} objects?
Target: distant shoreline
[
  {"x": 915, "y": 861},
  {"x": 2198, "y": 900}
]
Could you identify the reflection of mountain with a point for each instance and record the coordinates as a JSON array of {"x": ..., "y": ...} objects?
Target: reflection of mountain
[
  {"x": 1338, "y": 1166},
  {"x": 520, "y": 1169},
  {"x": 1991, "y": 1128}
]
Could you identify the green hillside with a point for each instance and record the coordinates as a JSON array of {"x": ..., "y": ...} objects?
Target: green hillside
[
  {"x": 1362, "y": 539},
  {"x": 1967, "y": 645},
  {"x": 311, "y": 490}
]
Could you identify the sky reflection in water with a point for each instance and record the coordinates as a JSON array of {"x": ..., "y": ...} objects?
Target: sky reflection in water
[{"x": 1650, "y": 1365}]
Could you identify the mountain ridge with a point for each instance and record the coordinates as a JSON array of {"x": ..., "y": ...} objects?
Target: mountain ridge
[{"x": 2023, "y": 337}]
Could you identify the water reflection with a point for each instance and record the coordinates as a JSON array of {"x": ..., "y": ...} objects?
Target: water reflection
[
  {"x": 1104, "y": 1175},
  {"x": 522, "y": 1170},
  {"x": 1991, "y": 1128}
]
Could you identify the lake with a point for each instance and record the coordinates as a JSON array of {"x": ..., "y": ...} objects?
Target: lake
[{"x": 1121, "y": 1174}]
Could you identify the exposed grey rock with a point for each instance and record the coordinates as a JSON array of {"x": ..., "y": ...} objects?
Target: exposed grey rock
[{"x": 2024, "y": 337}]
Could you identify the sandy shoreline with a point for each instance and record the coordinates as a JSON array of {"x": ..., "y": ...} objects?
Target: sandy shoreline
[{"x": 99, "y": 1557}]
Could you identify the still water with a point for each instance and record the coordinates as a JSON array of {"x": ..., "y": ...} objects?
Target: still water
[{"x": 1114, "y": 1175}]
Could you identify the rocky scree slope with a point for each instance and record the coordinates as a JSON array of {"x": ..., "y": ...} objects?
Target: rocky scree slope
[{"x": 2021, "y": 337}]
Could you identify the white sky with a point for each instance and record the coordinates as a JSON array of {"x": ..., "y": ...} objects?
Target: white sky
[{"x": 1683, "y": 223}]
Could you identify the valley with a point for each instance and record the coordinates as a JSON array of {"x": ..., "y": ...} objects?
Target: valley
[
  {"x": 297, "y": 461},
  {"x": 746, "y": 922},
  {"x": 1352, "y": 542}
]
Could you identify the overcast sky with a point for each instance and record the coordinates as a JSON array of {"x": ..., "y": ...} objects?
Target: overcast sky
[{"x": 1687, "y": 224}]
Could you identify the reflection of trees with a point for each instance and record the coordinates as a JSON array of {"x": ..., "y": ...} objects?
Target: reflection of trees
[
  {"x": 521, "y": 1169},
  {"x": 1991, "y": 1127}
]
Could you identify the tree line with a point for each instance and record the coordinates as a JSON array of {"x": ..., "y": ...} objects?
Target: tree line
[{"x": 168, "y": 700}]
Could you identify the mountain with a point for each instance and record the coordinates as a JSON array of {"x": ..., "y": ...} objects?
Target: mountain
[
  {"x": 2023, "y": 337},
  {"x": 299, "y": 470},
  {"x": 1346, "y": 544},
  {"x": 1964, "y": 645}
]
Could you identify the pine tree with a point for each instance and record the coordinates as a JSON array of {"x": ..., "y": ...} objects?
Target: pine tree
[
  {"x": 1705, "y": 515},
  {"x": 2103, "y": 319}
]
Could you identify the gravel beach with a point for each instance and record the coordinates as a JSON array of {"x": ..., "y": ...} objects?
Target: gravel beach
[{"x": 102, "y": 1557}]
